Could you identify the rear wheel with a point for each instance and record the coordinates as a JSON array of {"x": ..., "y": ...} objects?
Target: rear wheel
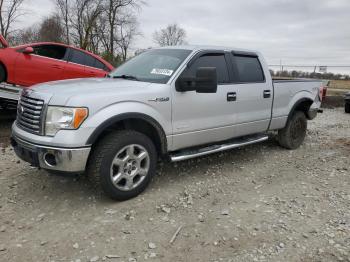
[
  {"x": 122, "y": 164},
  {"x": 347, "y": 107},
  {"x": 2, "y": 74},
  {"x": 293, "y": 135}
]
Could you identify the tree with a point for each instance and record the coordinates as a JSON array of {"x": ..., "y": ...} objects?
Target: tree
[
  {"x": 170, "y": 36},
  {"x": 63, "y": 12},
  {"x": 51, "y": 30},
  {"x": 10, "y": 11},
  {"x": 83, "y": 20},
  {"x": 115, "y": 25},
  {"x": 128, "y": 30},
  {"x": 28, "y": 35},
  {"x": 100, "y": 26}
]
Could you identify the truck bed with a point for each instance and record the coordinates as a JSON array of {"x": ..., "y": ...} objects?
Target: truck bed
[
  {"x": 281, "y": 80},
  {"x": 287, "y": 92}
]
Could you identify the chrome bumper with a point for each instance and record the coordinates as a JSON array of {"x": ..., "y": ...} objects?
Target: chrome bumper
[{"x": 60, "y": 159}]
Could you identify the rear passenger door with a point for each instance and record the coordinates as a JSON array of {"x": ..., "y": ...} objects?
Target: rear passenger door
[
  {"x": 94, "y": 67},
  {"x": 81, "y": 64},
  {"x": 76, "y": 65},
  {"x": 254, "y": 94}
]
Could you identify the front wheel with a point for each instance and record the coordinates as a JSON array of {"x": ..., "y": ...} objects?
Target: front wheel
[
  {"x": 2, "y": 74},
  {"x": 293, "y": 134},
  {"x": 122, "y": 164}
]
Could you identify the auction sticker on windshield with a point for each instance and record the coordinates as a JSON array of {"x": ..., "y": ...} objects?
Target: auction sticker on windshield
[{"x": 158, "y": 71}]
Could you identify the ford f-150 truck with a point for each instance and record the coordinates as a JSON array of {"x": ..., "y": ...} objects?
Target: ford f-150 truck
[{"x": 173, "y": 102}]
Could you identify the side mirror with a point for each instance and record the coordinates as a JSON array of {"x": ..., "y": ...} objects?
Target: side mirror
[
  {"x": 204, "y": 82},
  {"x": 28, "y": 50}
]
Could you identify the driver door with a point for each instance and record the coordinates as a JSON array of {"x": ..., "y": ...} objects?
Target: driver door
[
  {"x": 46, "y": 63},
  {"x": 202, "y": 118}
]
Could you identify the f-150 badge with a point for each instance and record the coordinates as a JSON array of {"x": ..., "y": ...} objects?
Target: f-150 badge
[{"x": 160, "y": 99}]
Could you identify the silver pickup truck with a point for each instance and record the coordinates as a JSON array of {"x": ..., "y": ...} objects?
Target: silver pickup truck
[{"x": 173, "y": 102}]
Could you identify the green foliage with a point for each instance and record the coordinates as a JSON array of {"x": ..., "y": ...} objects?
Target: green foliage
[{"x": 114, "y": 60}]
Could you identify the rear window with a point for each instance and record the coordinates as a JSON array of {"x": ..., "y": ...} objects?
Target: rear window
[{"x": 249, "y": 69}]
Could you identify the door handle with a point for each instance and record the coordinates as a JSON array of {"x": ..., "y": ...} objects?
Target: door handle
[
  {"x": 232, "y": 96},
  {"x": 267, "y": 93},
  {"x": 57, "y": 66}
]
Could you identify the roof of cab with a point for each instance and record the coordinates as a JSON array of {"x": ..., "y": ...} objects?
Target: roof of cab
[{"x": 208, "y": 47}]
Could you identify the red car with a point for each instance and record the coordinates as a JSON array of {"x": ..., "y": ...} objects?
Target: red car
[{"x": 31, "y": 64}]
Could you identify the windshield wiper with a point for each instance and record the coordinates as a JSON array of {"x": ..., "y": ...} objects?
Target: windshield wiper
[{"x": 130, "y": 77}]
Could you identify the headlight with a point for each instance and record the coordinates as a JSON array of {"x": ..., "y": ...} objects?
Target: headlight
[{"x": 58, "y": 118}]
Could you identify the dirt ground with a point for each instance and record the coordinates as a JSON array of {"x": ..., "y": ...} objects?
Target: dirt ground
[{"x": 257, "y": 203}]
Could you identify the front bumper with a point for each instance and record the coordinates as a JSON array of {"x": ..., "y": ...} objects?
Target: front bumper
[{"x": 53, "y": 158}]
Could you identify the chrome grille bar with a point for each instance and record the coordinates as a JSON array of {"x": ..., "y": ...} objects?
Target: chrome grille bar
[{"x": 29, "y": 114}]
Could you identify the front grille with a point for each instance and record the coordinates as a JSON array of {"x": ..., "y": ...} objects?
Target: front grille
[{"x": 29, "y": 114}]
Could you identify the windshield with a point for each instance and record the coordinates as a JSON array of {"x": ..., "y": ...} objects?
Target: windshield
[{"x": 156, "y": 66}]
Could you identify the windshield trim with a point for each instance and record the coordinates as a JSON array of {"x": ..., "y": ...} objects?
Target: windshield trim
[{"x": 182, "y": 67}]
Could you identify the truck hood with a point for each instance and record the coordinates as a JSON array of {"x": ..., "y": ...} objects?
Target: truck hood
[
  {"x": 87, "y": 85},
  {"x": 87, "y": 91}
]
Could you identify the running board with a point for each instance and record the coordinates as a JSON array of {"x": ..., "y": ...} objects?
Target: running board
[{"x": 234, "y": 143}]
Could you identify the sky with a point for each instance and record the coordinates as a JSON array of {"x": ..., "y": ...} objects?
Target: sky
[{"x": 311, "y": 32}]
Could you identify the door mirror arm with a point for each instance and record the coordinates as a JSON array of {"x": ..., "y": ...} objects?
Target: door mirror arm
[
  {"x": 28, "y": 50},
  {"x": 184, "y": 84}
]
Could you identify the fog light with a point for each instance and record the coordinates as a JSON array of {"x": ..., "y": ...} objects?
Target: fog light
[{"x": 50, "y": 159}]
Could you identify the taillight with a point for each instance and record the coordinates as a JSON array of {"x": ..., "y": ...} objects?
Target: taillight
[{"x": 322, "y": 92}]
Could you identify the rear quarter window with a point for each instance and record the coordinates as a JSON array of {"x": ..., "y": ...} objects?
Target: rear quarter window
[
  {"x": 93, "y": 62},
  {"x": 249, "y": 69},
  {"x": 99, "y": 65},
  {"x": 77, "y": 57}
]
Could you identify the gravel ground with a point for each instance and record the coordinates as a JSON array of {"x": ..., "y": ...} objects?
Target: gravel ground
[{"x": 257, "y": 203}]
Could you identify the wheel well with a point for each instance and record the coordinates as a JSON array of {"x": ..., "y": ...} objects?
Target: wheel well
[
  {"x": 153, "y": 131},
  {"x": 3, "y": 66},
  {"x": 303, "y": 106}
]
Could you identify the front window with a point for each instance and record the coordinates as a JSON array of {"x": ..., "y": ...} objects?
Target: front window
[
  {"x": 155, "y": 66},
  {"x": 210, "y": 60},
  {"x": 51, "y": 51}
]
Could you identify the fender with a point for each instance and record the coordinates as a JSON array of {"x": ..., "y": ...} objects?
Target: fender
[
  {"x": 111, "y": 121},
  {"x": 298, "y": 103}
]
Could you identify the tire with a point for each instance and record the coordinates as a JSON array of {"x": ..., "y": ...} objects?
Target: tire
[
  {"x": 347, "y": 107},
  {"x": 2, "y": 74},
  {"x": 293, "y": 135},
  {"x": 127, "y": 157}
]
